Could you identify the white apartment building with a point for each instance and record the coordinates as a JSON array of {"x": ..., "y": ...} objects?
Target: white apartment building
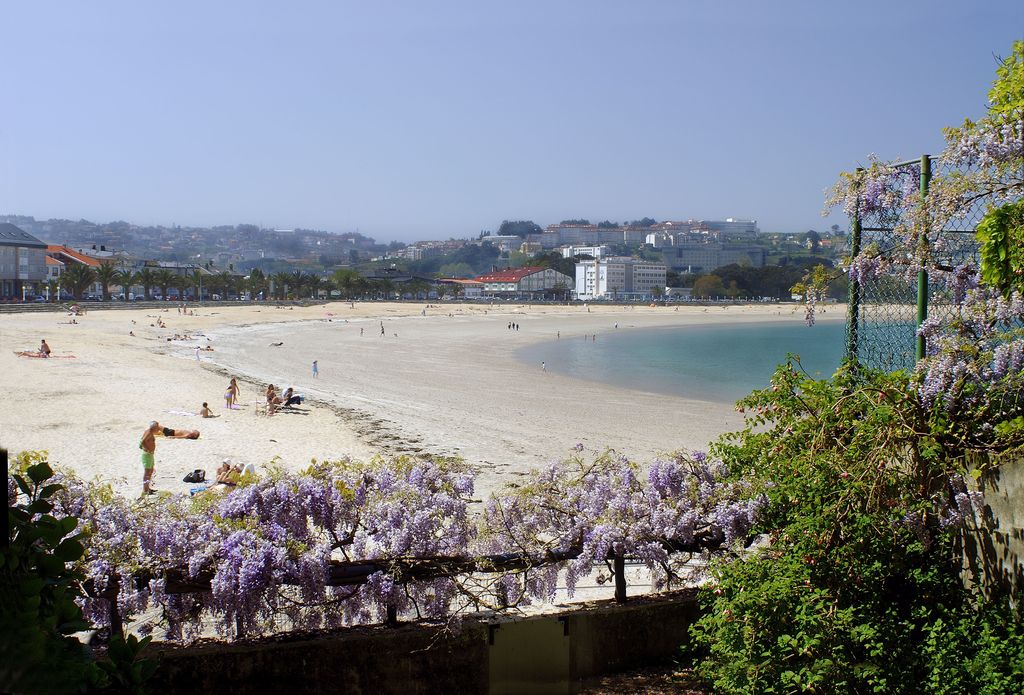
[
  {"x": 618, "y": 278},
  {"x": 592, "y": 251}
]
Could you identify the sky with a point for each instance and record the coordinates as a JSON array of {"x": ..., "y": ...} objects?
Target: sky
[{"x": 425, "y": 120}]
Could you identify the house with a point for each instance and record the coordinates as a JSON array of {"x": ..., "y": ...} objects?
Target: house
[
  {"x": 22, "y": 262},
  {"x": 66, "y": 256},
  {"x": 530, "y": 281},
  {"x": 469, "y": 289}
]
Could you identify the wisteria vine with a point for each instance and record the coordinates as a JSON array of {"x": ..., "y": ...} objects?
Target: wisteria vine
[{"x": 343, "y": 542}]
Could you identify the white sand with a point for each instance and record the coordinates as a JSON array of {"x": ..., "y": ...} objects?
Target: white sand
[{"x": 444, "y": 385}]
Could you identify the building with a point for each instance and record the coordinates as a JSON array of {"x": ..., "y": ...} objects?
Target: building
[
  {"x": 696, "y": 257},
  {"x": 619, "y": 278},
  {"x": 469, "y": 289},
  {"x": 530, "y": 281},
  {"x": 558, "y": 235},
  {"x": 592, "y": 251},
  {"x": 66, "y": 256},
  {"x": 22, "y": 262},
  {"x": 506, "y": 243}
]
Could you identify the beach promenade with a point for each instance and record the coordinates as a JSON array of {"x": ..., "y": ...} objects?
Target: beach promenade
[{"x": 442, "y": 379}]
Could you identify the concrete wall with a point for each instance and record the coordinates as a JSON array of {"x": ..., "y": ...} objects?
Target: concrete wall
[
  {"x": 541, "y": 654},
  {"x": 993, "y": 546}
]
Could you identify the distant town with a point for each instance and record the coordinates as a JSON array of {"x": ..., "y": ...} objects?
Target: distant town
[{"x": 56, "y": 260}]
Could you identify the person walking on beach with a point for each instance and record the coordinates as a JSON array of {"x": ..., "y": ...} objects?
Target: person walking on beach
[
  {"x": 360, "y": 331},
  {"x": 148, "y": 446},
  {"x": 382, "y": 328},
  {"x": 543, "y": 366},
  {"x": 316, "y": 370},
  {"x": 44, "y": 349},
  {"x": 197, "y": 353}
]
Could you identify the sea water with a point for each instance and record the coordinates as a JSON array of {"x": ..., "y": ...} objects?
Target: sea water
[{"x": 710, "y": 362}]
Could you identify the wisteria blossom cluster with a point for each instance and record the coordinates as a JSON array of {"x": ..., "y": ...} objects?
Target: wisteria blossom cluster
[
  {"x": 975, "y": 345},
  {"x": 988, "y": 145},
  {"x": 605, "y": 508},
  {"x": 342, "y": 542},
  {"x": 266, "y": 549},
  {"x": 975, "y": 359},
  {"x": 954, "y": 506}
]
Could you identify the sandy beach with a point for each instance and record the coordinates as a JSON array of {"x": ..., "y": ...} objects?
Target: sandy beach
[{"x": 442, "y": 380}]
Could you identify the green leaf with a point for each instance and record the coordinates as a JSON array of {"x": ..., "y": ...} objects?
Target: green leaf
[
  {"x": 39, "y": 472},
  {"x": 69, "y": 550}
]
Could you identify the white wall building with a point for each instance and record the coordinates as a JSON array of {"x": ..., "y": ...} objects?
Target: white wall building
[
  {"x": 618, "y": 278},
  {"x": 526, "y": 281},
  {"x": 593, "y": 251}
]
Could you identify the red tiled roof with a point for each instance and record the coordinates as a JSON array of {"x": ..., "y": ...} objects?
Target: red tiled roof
[
  {"x": 510, "y": 274},
  {"x": 53, "y": 261},
  {"x": 73, "y": 255}
]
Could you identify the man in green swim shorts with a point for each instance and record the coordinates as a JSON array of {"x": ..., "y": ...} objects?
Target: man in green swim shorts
[{"x": 148, "y": 446}]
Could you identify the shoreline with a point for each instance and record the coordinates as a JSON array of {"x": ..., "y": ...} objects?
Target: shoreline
[{"x": 444, "y": 383}]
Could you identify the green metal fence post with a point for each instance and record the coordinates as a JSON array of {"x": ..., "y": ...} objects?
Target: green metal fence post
[
  {"x": 853, "y": 307},
  {"x": 922, "y": 275}
]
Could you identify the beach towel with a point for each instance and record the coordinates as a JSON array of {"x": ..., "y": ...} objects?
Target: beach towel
[{"x": 181, "y": 412}]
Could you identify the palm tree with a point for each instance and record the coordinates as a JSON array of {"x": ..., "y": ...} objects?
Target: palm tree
[
  {"x": 147, "y": 278},
  {"x": 383, "y": 287},
  {"x": 125, "y": 278},
  {"x": 77, "y": 278},
  {"x": 184, "y": 284},
  {"x": 197, "y": 282},
  {"x": 281, "y": 281},
  {"x": 346, "y": 281},
  {"x": 257, "y": 282},
  {"x": 164, "y": 277},
  {"x": 298, "y": 283},
  {"x": 211, "y": 284},
  {"x": 227, "y": 282},
  {"x": 105, "y": 275},
  {"x": 418, "y": 287}
]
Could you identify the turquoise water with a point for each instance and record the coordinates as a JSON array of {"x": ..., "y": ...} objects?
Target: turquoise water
[{"x": 715, "y": 363}]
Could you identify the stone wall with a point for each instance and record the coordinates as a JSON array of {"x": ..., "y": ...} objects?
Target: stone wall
[
  {"x": 548, "y": 653},
  {"x": 993, "y": 545}
]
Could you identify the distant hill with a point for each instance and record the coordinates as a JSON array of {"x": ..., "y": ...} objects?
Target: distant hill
[{"x": 242, "y": 245}]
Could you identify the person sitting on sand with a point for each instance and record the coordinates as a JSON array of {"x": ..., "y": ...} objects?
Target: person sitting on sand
[
  {"x": 206, "y": 412},
  {"x": 289, "y": 398},
  {"x": 171, "y": 433},
  {"x": 228, "y": 474},
  {"x": 273, "y": 400},
  {"x": 44, "y": 349}
]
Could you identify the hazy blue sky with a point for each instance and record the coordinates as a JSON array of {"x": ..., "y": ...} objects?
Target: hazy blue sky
[{"x": 413, "y": 120}]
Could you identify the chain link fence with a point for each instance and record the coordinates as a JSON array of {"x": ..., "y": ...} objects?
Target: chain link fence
[{"x": 885, "y": 309}]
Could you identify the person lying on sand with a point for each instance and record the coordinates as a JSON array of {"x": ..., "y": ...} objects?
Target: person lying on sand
[
  {"x": 275, "y": 345},
  {"x": 171, "y": 433}
]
